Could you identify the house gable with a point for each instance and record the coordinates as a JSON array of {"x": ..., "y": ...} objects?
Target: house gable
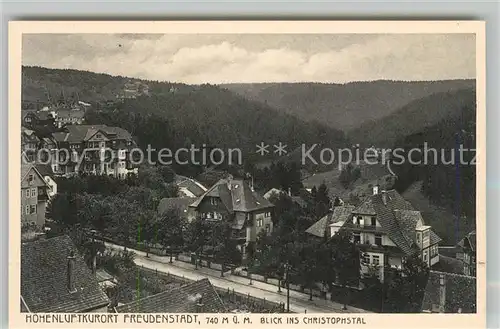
[{"x": 32, "y": 178}]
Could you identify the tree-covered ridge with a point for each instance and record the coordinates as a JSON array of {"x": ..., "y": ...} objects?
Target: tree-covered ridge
[
  {"x": 413, "y": 118},
  {"x": 177, "y": 115},
  {"x": 451, "y": 182},
  {"x": 344, "y": 106}
]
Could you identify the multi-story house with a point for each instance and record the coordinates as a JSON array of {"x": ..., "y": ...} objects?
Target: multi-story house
[
  {"x": 31, "y": 118},
  {"x": 387, "y": 229},
  {"x": 34, "y": 196},
  {"x": 464, "y": 252},
  {"x": 69, "y": 117},
  {"x": 234, "y": 201},
  {"x": 93, "y": 149}
]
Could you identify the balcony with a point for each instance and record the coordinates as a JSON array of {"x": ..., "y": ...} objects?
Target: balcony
[{"x": 363, "y": 227}]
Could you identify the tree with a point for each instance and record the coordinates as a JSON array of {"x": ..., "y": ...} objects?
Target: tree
[
  {"x": 345, "y": 261},
  {"x": 166, "y": 173},
  {"x": 62, "y": 209},
  {"x": 308, "y": 266},
  {"x": 197, "y": 237},
  {"x": 170, "y": 231},
  {"x": 225, "y": 247}
]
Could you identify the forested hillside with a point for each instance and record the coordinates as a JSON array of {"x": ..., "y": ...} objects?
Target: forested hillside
[
  {"x": 449, "y": 183},
  {"x": 344, "y": 106},
  {"x": 413, "y": 118}
]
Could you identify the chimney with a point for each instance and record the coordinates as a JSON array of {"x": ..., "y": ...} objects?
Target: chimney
[
  {"x": 375, "y": 189},
  {"x": 384, "y": 197},
  {"x": 442, "y": 293},
  {"x": 289, "y": 191},
  {"x": 200, "y": 305},
  {"x": 71, "y": 272}
]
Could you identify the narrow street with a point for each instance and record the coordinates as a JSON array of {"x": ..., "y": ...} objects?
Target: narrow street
[{"x": 299, "y": 302}]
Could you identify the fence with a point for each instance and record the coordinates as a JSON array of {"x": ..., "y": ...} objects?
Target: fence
[
  {"x": 251, "y": 303},
  {"x": 232, "y": 299}
]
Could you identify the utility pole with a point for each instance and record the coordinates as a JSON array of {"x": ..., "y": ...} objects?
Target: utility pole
[{"x": 287, "y": 276}]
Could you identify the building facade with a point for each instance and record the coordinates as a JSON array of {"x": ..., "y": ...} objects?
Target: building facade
[
  {"x": 34, "y": 196},
  {"x": 234, "y": 201},
  {"x": 93, "y": 149},
  {"x": 387, "y": 229}
]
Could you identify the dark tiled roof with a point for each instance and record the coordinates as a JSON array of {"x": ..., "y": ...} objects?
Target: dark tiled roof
[
  {"x": 44, "y": 169},
  {"x": 386, "y": 217},
  {"x": 181, "y": 204},
  {"x": 469, "y": 241},
  {"x": 27, "y": 167},
  {"x": 339, "y": 214},
  {"x": 103, "y": 275},
  {"x": 460, "y": 293},
  {"x": 236, "y": 195},
  {"x": 196, "y": 188},
  {"x": 178, "y": 300},
  {"x": 434, "y": 238},
  {"x": 366, "y": 208},
  {"x": 79, "y": 114},
  {"x": 319, "y": 228},
  {"x": 80, "y": 133},
  {"x": 44, "y": 115},
  {"x": 449, "y": 265},
  {"x": 44, "y": 278},
  {"x": 449, "y": 251},
  {"x": 299, "y": 200},
  {"x": 407, "y": 221}
]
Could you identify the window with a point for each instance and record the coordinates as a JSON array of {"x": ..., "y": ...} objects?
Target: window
[
  {"x": 267, "y": 214},
  {"x": 374, "y": 221},
  {"x": 27, "y": 210},
  {"x": 365, "y": 258},
  {"x": 357, "y": 237},
  {"x": 98, "y": 136},
  {"x": 33, "y": 192},
  {"x": 213, "y": 201},
  {"x": 260, "y": 222},
  {"x": 378, "y": 239},
  {"x": 376, "y": 260},
  {"x": 31, "y": 178},
  {"x": 28, "y": 193},
  {"x": 425, "y": 256},
  {"x": 32, "y": 209},
  {"x": 357, "y": 220},
  {"x": 419, "y": 237}
]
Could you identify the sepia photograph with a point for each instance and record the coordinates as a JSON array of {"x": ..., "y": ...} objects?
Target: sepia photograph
[{"x": 327, "y": 175}]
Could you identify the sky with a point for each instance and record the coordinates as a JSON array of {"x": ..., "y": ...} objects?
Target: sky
[{"x": 247, "y": 58}]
